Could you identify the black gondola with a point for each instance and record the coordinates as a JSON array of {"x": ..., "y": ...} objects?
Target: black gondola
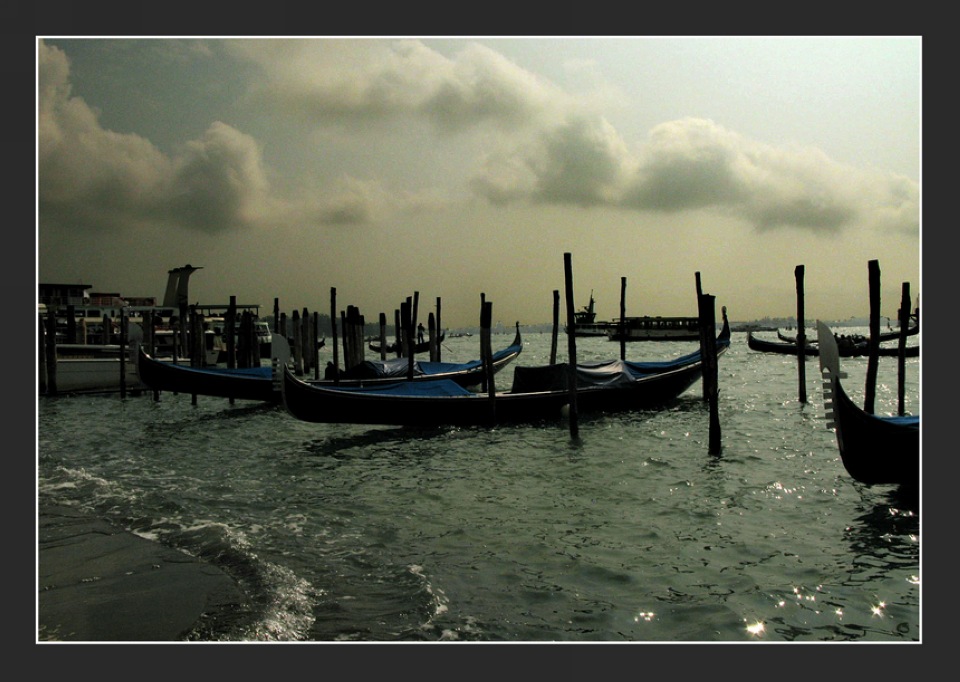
[
  {"x": 538, "y": 394},
  {"x": 853, "y": 346},
  {"x": 912, "y": 330},
  {"x": 875, "y": 449},
  {"x": 257, "y": 383}
]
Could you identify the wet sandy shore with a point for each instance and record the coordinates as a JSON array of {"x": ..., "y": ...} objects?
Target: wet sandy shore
[{"x": 98, "y": 583}]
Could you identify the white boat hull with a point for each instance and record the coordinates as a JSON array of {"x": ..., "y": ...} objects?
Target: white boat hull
[{"x": 79, "y": 375}]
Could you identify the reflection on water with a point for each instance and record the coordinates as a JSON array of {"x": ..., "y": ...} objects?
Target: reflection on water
[{"x": 886, "y": 533}]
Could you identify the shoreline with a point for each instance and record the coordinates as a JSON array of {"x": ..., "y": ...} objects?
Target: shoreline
[{"x": 99, "y": 583}]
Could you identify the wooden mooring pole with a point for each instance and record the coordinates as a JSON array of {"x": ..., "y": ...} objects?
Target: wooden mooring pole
[
  {"x": 397, "y": 333},
  {"x": 51, "y": 352},
  {"x": 316, "y": 343},
  {"x": 486, "y": 357},
  {"x": 42, "y": 349},
  {"x": 307, "y": 341},
  {"x": 801, "y": 337},
  {"x": 439, "y": 333},
  {"x": 556, "y": 326},
  {"x": 902, "y": 344},
  {"x": 414, "y": 321},
  {"x": 623, "y": 318},
  {"x": 333, "y": 333},
  {"x": 123, "y": 353},
  {"x": 571, "y": 346},
  {"x": 711, "y": 379},
  {"x": 704, "y": 338},
  {"x": 229, "y": 332},
  {"x": 406, "y": 318},
  {"x": 297, "y": 344},
  {"x": 383, "y": 336},
  {"x": 873, "y": 358}
]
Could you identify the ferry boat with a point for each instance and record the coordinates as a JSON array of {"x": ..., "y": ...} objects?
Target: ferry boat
[
  {"x": 585, "y": 322},
  {"x": 91, "y": 367},
  {"x": 657, "y": 328},
  {"x": 88, "y": 368}
]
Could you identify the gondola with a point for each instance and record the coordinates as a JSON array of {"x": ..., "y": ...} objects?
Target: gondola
[
  {"x": 874, "y": 449},
  {"x": 912, "y": 330},
  {"x": 538, "y": 394},
  {"x": 257, "y": 383},
  {"x": 849, "y": 347},
  {"x": 781, "y": 347},
  {"x": 252, "y": 383}
]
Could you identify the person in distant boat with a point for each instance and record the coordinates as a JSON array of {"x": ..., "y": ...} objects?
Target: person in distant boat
[
  {"x": 420, "y": 333},
  {"x": 331, "y": 371},
  {"x": 847, "y": 343}
]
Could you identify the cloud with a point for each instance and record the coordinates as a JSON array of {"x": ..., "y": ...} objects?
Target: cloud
[
  {"x": 87, "y": 174},
  {"x": 357, "y": 83},
  {"x": 694, "y": 164},
  {"x": 530, "y": 143},
  {"x": 543, "y": 146},
  {"x": 351, "y": 201},
  {"x": 218, "y": 182},
  {"x": 580, "y": 162},
  {"x": 95, "y": 178}
]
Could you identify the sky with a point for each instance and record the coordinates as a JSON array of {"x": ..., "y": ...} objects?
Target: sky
[{"x": 464, "y": 167}]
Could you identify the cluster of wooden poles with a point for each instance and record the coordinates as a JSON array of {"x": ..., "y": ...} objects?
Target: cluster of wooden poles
[
  {"x": 303, "y": 331},
  {"x": 708, "y": 348},
  {"x": 349, "y": 337},
  {"x": 873, "y": 358},
  {"x": 405, "y": 322},
  {"x": 243, "y": 349}
]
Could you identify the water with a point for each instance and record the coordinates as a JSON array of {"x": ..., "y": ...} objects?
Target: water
[{"x": 632, "y": 533}]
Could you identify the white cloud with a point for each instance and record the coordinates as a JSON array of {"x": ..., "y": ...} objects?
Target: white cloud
[
  {"x": 693, "y": 164},
  {"x": 87, "y": 173},
  {"x": 218, "y": 182},
  {"x": 91, "y": 177}
]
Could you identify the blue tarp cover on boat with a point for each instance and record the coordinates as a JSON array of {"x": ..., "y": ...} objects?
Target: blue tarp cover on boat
[
  {"x": 905, "y": 420},
  {"x": 399, "y": 367}
]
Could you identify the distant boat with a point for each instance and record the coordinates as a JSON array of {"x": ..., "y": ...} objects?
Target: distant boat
[
  {"x": 850, "y": 346},
  {"x": 90, "y": 368},
  {"x": 785, "y": 335},
  {"x": 585, "y": 321},
  {"x": 656, "y": 329},
  {"x": 782, "y": 347}
]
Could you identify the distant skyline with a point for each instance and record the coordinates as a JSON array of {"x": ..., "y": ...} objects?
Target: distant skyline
[{"x": 466, "y": 166}]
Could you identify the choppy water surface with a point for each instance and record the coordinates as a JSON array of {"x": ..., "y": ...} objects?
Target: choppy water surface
[{"x": 633, "y": 532}]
